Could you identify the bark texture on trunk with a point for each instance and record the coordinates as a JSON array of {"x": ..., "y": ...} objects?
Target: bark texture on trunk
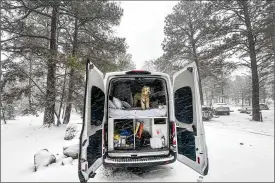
[
  {"x": 1, "y": 109},
  {"x": 254, "y": 68},
  {"x": 30, "y": 86},
  {"x": 62, "y": 95},
  {"x": 51, "y": 80},
  {"x": 69, "y": 99},
  {"x": 242, "y": 98},
  {"x": 71, "y": 79},
  {"x": 273, "y": 45},
  {"x": 197, "y": 64}
]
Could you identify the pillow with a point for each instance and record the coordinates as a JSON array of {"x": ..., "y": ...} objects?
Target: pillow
[
  {"x": 117, "y": 103},
  {"x": 111, "y": 104},
  {"x": 126, "y": 104}
]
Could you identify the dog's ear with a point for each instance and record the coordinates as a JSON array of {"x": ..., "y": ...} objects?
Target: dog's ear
[{"x": 142, "y": 90}]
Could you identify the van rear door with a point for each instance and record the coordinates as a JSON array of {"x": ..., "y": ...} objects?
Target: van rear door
[
  {"x": 191, "y": 146},
  {"x": 90, "y": 153}
]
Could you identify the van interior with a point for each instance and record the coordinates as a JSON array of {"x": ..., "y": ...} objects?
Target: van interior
[
  {"x": 132, "y": 129},
  {"x": 125, "y": 89}
]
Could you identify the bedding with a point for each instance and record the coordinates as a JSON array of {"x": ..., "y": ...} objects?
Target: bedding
[
  {"x": 136, "y": 113},
  {"x": 126, "y": 104},
  {"x": 111, "y": 104},
  {"x": 117, "y": 103}
]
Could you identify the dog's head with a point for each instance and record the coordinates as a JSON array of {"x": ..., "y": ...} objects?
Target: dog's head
[{"x": 145, "y": 90}]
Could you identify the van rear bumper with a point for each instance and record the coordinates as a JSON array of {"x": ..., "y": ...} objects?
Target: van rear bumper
[{"x": 139, "y": 162}]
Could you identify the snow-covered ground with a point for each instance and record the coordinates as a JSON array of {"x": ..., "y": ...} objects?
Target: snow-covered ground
[{"x": 229, "y": 160}]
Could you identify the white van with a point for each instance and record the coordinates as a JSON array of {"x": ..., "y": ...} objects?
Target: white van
[{"x": 118, "y": 134}]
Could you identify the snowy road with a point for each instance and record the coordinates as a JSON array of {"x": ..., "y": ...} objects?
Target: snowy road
[{"x": 239, "y": 150}]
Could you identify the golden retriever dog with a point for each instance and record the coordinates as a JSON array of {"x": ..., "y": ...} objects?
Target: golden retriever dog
[{"x": 143, "y": 97}]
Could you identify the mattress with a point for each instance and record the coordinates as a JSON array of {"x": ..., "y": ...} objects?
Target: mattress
[{"x": 136, "y": 113}]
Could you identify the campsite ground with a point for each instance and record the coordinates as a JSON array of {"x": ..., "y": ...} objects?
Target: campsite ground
[{"x": 239, "y": 150}]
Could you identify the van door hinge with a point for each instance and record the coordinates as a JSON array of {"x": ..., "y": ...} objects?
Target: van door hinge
[
  {"x": 92, "y": 175},
  {"x": 84, "y": 142},
  {"x": 91, "y": 66},
  {"x": 190, "y": 69},
  {"x": 194, "y": 130}
]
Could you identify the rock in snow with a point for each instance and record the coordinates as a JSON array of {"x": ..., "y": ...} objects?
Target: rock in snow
[
  {"x": 43, "y": 158},
  {"x": 67, "y": 161},
  {"x": 71, "y": 148}
]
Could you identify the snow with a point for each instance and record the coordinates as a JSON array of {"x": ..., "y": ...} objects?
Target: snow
[
  {"x": 67, "y": 161},
  {"x": 71, "y": 148},
  {"x": 229, "y": 160},
  {"x": 43, "y": 158}
]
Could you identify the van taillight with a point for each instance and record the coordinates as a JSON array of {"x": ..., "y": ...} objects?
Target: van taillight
[
  {"x": 173, "y": 132},
  {"x": 103, "y": 134}
]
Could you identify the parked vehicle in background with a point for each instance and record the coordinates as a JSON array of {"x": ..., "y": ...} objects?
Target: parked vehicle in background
[
  {"x": 264, "y": 107},
  {"x": 247, "y": 110},
  {"x": 221, "y": 108},
  {"x": 207, "y": 113}
]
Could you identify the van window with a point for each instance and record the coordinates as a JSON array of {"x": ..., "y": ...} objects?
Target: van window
[
  {"x": 128, "y": 91},
  {"x": 97, "y": 106},
  {"x": 183, "y": 105}
]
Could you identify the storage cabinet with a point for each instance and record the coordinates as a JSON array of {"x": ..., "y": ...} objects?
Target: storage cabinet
[{"x": 156, "y": 127}]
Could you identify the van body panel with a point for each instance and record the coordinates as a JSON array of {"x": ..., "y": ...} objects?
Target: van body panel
[
  {"x": 90, "y": 152},
  {"x": 188, "y": 117}
]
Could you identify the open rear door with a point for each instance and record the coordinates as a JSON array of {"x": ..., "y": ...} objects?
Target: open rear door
[
  {"x": 191, "y": 146},
  {"x": 90, "y": 153}
]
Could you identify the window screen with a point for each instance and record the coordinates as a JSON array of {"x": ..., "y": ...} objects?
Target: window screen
[
  {"x": 183, "y": 105},
  {"x": 97, "y": 106}
]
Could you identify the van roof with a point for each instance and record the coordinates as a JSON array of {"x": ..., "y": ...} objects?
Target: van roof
[{"x": 120, "y": 73}]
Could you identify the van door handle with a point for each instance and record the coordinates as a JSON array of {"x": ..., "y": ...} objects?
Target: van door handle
[{"x": 194, "y": 130}]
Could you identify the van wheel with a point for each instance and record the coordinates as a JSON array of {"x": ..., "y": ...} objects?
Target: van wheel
[{"x": 228, "y": 113}]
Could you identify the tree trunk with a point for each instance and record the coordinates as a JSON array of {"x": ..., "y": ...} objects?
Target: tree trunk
[
  {"x": 62, "y": 95},
  {"x": 1, "y": 109},
  {"x": 30, "y": 82},
  {"x": 71, "y": 81},
  {"x": 69, "y": 99},
  {"x": 197, "y": 64},
  {"x": 273, "y": 44},
  {"x": 242, "y": 98},
  {"x": 194, "y": 50},
  {"x": 50, "y": 93},
  {"x": 211, "y": 99},
  {"x": 63, "y": 110},
  {"x": 264, "y": 94},
  {"x": 222, "y": 93},
  {"x": 3, "y": 115},
  {"x": 254, "y": 70}
]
